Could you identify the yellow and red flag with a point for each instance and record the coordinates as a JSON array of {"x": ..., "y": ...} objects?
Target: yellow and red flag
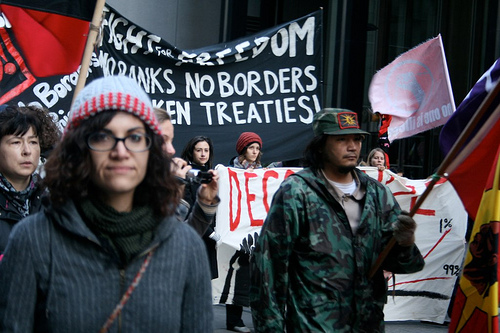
[
  {"x": 475, "y": 174},
  {"x": 476, "y": 301}
]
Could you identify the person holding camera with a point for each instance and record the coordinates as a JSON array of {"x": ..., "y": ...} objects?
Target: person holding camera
[
  {"x": 199, "y": 213},
  {"x": 199, "y": 154}
]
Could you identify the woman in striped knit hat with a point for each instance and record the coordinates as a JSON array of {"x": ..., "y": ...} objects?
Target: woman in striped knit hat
[{"x": 108, "y": 254}]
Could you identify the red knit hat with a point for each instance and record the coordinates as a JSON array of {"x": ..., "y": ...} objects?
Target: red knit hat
[
  {"x": 113, "y": 93},
  {"x": 246, "y": 139}
]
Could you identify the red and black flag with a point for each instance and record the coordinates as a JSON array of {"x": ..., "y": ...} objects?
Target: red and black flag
[{"x": 50, "y": 34}]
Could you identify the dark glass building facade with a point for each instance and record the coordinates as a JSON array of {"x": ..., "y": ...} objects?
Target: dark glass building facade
[{"x": 362, "y": 37}]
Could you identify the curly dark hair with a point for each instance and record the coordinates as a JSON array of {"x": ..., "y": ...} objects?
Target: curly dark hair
[
  {"x": 68, "y": 169},
  {"x": 187, "y": 153},
  {"x": 17, "y": 120}
]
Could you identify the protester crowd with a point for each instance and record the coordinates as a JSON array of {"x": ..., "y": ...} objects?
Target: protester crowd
[{"x": 121, "y": 235}]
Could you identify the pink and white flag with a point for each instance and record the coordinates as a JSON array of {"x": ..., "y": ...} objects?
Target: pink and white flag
[{"x": 415, "y": 89}]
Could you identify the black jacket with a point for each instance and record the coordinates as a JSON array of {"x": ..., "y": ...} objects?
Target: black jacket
[
  {"x": 10, "y": 215},
  {"x": 190, "y": 191}
]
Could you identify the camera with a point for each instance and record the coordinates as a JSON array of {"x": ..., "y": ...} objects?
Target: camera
[{"x": 194, "y": 176}]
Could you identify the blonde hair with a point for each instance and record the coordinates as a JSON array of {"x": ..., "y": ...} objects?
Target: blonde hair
[
  {"x": 161, "y": 115},
  {"x": 370, "y": 156}
]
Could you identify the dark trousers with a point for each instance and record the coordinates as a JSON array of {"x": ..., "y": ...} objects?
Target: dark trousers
[{"x": 233, "y": 315}]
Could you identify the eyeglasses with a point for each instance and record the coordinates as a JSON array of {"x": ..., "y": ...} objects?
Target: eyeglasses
[{"x": 102, "y": 141}]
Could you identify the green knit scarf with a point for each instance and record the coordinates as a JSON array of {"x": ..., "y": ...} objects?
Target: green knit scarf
[{"x": 129, "y": 232}]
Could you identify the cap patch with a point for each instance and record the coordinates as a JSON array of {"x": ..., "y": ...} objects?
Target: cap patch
[{"x": 347, "y": 120}]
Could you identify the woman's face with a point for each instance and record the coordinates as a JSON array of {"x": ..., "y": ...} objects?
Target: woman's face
[
  {"x": 201, "y": 153},
  {"x": 119, "y": 171},
  {"x": 19, "y": 157},
  {"x": 378, "y": 159},
  {"x": 252, "y": 152}
]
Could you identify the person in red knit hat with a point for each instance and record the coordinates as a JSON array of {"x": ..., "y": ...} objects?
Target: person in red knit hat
[
  {"x": 249, "y": 151},
  {"x": 248, "y": 147}
]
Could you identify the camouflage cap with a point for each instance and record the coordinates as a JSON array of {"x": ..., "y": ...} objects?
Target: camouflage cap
[{"x": 336, "y": 122}]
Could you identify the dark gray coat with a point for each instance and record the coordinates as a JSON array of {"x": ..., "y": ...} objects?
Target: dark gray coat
[{"x": 56, "y": 277}]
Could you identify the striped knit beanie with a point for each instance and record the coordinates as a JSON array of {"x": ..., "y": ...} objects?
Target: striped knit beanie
[
  {"x": 246, "y": 139},
  {"x": 112, "y": 93}
]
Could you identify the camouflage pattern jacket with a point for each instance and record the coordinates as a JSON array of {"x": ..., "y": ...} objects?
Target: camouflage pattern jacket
[{"x": 310, "y": 273}]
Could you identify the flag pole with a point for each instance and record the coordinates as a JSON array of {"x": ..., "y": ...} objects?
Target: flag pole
[
  {"x": 89, "y": 47},
  {"x": 452, "y": 154}
]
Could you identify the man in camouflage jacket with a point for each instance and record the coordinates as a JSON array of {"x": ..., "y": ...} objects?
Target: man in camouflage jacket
[{"x": 324, "y": 231}]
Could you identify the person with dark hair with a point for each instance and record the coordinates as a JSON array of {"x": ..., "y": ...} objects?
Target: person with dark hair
[
  {"x": 324, "y": 231},
  {"x": 199, "y": 154},
  {"x": 197, "y": 207},
  {"x": 107, "y": 252},
  {"x": 26, "y": 134}
]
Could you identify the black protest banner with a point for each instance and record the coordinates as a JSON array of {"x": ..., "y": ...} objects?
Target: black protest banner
[{"x": 269, "y": 83}]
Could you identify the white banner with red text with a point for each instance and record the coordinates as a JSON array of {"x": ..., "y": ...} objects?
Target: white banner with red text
[{"x": 246, "y": 196}]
